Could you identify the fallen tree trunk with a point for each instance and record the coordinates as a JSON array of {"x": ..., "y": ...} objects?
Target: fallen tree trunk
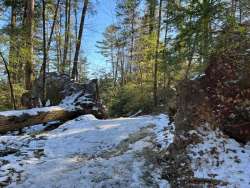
[
  {"x": 79, "y": 102},
  {"x": 14, "y": 120},
  {"x": 18, "y": 119},
  {"x": 70, "y": 108}
]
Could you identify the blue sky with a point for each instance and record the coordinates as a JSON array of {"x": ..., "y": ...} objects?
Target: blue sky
[{"x": 95, "y": 26}]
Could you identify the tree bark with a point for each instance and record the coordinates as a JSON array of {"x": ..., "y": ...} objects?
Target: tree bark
[
  {"x": 18, "y": 119},
  {"x": 13, "y": 52},
  {"x": 29, "y": 22},
  {"x": 27, "y": 118},
  {"x": 132, "y": 42},
  {"x": 156, "y": 57},
  {"x": 67, "y": 30},
  {"x": 53, "y": 25},
  {"x": 58, "y": 42},
  {"x": 78, "y": 43},
  {"x": 50, "y": 36},
  {"x": 10, "y": 83},
  {"x": 44, "y": 55}
]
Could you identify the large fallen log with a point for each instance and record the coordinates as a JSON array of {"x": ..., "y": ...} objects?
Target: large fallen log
[
  {"x": 71, "y": 107},
  {"x": 18, "y": 119},
  {"x": 14, "y": 120}
]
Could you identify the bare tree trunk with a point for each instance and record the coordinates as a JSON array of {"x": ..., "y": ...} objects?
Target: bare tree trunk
[
  {"x": 67, "y": 31},
  {"x": 165, "y": 52},
  {"x": 116, "y": 66},
  {"x": 240, "y": 11},
  {"x": 122, "y": 68},
  {"x": 233, "y": 8},
  {"x": 78, "y": 43},
  {"x": 44, "y": 55},
  {"x": 206, "y": 24},
  {"x": 50, "y": 36},
  {"x": 70, "y": 54},
  {"x": 59, "y": 42},
  {"x": 13, "y": 51},
  {"x": 29, "y": 22},
  {"x": 58, "y": 56},
  {"x": 58, "y": 47},
  {"x": 75, "y": 28},
  {"x": 76, "y": 21},
  {"x": 10, "y": 83},
  {"x": 112, "y": 61},
  {"x": 132, "y": 42},
  {"x": 152, "y": 6},
  {"x": 53, "y": 25},
  {"x": 156, "y": 57}
]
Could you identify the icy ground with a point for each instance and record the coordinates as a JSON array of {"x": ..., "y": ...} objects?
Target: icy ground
[
  {"x": 87, "y": 152},
  {"x": 218, "y": 157}
]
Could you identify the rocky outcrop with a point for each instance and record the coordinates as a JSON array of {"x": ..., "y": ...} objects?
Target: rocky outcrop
[{"x": 59, "y": 86}]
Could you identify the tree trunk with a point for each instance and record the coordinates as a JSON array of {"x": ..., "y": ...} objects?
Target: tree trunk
[
  {"x": 78, "y": 43},
  {"x": 13, "y": 51},
  {"x": 132, "y": 43},
  {"x": 122, "y": 67},
  {"x": 58, "y": 42},
  {"x": 156, "y": 56},
  {"x": 67, "y": 30},
  {"x": 10, "y": 83},
  {"x": 152, "y": 6},
  {"x": 116, "y": 66},
  {"x": 53, "y": 25},
  {"x": 29, "y": 22},
  {"x": 12, "y": 121},
  {"x": 44, "y": 55},
  {"x": 206, "y": 28},
  {"x": 240, "y": 12}
]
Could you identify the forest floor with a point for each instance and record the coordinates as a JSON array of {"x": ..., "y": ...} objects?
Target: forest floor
[
  {"x": 123, "y": 152},
  {"x": 87, "y": 152}
]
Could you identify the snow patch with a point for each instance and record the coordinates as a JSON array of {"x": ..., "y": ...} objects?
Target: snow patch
[
  {"x": 31, "y": 112},
  {"x": 221, "y": 158},
  {"x": 87, "y": 152}
]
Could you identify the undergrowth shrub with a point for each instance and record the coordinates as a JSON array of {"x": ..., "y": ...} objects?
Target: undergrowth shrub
[{"x": 130, "y": 99}]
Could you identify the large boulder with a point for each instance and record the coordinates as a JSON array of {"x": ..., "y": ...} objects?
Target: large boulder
[
  {"x": 61, "y": 90},
  {"x": 59, "y": 86}
]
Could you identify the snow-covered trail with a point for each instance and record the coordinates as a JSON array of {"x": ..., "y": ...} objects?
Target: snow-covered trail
[{"x": 87, "y": 152}]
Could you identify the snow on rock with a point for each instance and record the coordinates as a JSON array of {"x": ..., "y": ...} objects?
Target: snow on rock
[
  {"x": 221, "y": 158},
  {"x": 68, "y": 102},
  {"x": 87, "y": 152},
  {"x": 198, "y": 76}
]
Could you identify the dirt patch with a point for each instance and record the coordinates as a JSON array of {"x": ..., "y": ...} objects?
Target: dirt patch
[
  {"x": 177, "y": 164},
  {"x": 123, "y": 146}
]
